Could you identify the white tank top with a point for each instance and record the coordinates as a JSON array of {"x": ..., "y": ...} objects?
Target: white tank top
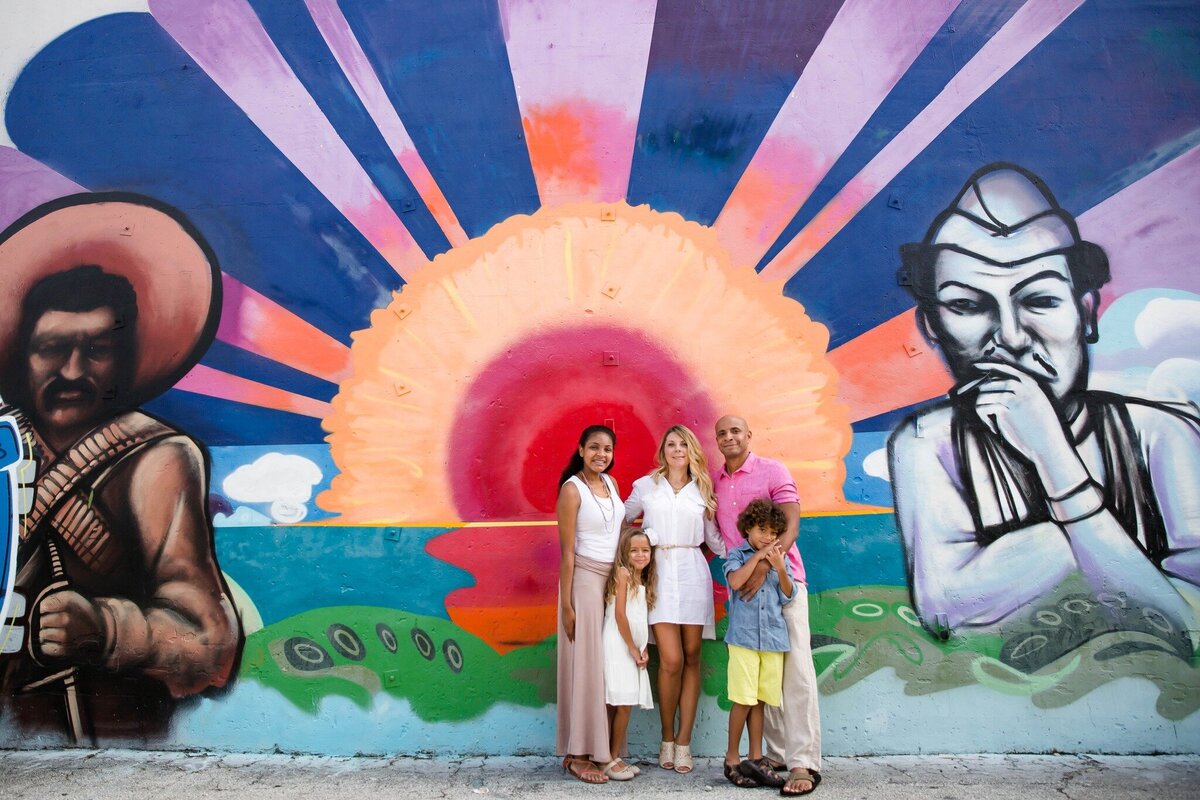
[{"x": 598, "y": 524}]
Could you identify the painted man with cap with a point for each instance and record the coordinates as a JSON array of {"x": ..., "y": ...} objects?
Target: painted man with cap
[
  {"x": 126, "y": 607},
  {"x": 1024, "y": 477}
]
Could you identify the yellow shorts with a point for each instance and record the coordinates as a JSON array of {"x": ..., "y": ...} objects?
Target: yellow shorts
[{"x": 755, "y": 676}]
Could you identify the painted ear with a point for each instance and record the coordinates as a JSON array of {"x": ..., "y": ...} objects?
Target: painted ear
[
  {"x": 1089, "y": 304},
  {"x": 926, "y": 327}
]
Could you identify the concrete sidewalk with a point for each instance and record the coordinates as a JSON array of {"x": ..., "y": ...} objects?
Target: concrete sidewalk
[{"x": 121, "y": 774}]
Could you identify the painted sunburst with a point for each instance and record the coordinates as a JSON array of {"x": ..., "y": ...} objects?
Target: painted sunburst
[{"x": 467, "y": 390}]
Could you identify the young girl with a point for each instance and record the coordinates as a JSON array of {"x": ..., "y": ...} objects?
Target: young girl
[{"x": 628, "y": 598}]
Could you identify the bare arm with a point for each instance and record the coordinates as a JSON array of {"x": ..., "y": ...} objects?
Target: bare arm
[
  {"x": 737, "y": 578},
  {"x": 792, "y": 512},
  {"x": 954, "y": 580},
  {"x": 778, "y": 560},
  {"x": 621, "y": 614},
  {"x": 186, "y": 634},
  {"x": 567, "y": 511},
  {"x": 1018, "y": 409}
]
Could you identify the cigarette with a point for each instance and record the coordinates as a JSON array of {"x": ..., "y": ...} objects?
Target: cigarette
[{"x": 958, "y": 391}]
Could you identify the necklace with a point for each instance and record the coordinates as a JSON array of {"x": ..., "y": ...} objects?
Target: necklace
[
  {"x": 680, "y": 487},
  {"x": 612, "y": 507}
]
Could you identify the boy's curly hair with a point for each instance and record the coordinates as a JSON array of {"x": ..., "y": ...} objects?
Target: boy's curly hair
[{"x": 764, "y": 514}]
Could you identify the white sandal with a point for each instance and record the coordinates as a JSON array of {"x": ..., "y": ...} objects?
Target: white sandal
[
  {"x": 683, "y": 759},
  {"x": 621, "y": 773},
  {"x": 666, "y": 755}
]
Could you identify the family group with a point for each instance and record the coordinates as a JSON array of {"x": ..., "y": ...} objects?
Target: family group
[{"x": 618, "y": 583}]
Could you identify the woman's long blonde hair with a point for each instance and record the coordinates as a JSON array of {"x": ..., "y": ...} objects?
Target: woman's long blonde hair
[
  {"x": 648, "y": 576},
  {"x": 697, "y": 465}
]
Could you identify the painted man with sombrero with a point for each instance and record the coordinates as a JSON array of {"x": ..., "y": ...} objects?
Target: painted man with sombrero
[
  {"x": 114, "y": 298},
  {"x": 1024, "y": 478}
]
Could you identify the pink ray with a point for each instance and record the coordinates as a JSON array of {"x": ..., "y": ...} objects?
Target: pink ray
[
  {"x": 579, "y": 68},
  {"x": 215, "y": 383},
  {"x": 1148, "y": 231},
  {"x": 256, "y": 323},
  {"x": 332, "y": 24},
  {"x": 249, "y": 320},
  {"x": 227, "y": 40},
  {"x": 26, "y": 183},
  {"x": 866, "y": 50},
  {"x": 1027, "y": 27}
]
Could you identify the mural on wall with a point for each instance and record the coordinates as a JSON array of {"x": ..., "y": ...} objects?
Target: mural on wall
[
  {"x": 1024, "y": 478},
  {"x": 124, "y": 608},
  {"x": 451, "y": 235}
]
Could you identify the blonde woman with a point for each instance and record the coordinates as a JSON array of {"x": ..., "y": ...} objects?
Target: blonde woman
[{"x": 678, "y": 510}]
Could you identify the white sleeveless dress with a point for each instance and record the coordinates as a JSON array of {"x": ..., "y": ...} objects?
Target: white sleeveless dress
[{"x": 624, "y": 683}]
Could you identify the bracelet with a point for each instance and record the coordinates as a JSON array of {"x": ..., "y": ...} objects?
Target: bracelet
[
  {"x": 1082, "y": 502},
  {"x": 1079, "y": 487}
]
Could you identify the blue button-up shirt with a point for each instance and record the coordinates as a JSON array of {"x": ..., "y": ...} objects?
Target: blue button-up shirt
[{"x": 757, "y": 623}]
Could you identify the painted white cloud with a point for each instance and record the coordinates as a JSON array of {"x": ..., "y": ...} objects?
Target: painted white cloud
[
  {"x": 876, "y": 465},
  {"x": 241, "y": 517},
  {"x": 1176, "y": 379},
  {"x": 284, "y": 481},
  {"x": 1168, "y": 321}
]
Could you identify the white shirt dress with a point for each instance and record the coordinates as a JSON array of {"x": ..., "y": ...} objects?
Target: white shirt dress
[{"x": 677, "y": 525}]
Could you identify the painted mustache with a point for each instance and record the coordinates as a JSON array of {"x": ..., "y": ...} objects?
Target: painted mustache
[
  {"x": 54, "y": 393},
  {"x": 1046, "y": 374}
]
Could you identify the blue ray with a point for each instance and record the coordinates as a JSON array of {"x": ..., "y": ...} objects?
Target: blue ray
[
  {"x": 715, "y": 81},
  {"x": 968, "y": 28},
  {"x": 445, "y": 68},
  {"x": 116, "y": 104},
  {"x": 297, "y": 37},
  {"x": 1065, "y": 114},
  {"x": 219, "y": 422},
  {"x": 252, "y": 366}
]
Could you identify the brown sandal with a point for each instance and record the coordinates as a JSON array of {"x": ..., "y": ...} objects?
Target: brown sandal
[
  {"x": 734, "y": 775},
  {"x": 761, "y": 771},
  {"x": 584, "y": 770},
  {"x": 801, "y": 774}
]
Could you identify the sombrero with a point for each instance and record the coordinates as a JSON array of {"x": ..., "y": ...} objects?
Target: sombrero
[{"x": 171, "y": 268}]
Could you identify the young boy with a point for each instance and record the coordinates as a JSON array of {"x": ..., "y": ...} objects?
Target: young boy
[{"x": 757, "y": 638}]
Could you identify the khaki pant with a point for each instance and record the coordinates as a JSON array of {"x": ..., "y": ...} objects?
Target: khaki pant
[{"x": 793, "y": 731}]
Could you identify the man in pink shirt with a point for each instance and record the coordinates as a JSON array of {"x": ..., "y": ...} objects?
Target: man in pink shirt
[{"x": 792, "y": 731}]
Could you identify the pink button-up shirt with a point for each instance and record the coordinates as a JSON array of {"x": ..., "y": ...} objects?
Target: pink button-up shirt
[{"x": 758, "y": 477}]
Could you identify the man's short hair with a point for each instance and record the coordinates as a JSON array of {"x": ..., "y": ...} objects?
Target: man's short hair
[
  {"x": 762, "y": 513},
  {"x": 1010, "y": 212},
  {"x": 80, "y": 289}
]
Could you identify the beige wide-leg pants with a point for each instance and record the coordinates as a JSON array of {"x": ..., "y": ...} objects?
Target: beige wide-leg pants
[{"x": 793, "y": 730}]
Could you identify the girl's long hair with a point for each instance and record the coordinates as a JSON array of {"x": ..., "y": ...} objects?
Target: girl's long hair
[
  {"x": 697, "y": 465},
  {"x": 647, "y": 578},
  {"x": 576, "y": 462}
]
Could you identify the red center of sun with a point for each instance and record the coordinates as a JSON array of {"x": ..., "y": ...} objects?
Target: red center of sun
[{"x": 521, "y": 418}]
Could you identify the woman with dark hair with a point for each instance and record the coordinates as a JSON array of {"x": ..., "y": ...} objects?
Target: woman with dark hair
[{"x": 590, "y": 513}]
